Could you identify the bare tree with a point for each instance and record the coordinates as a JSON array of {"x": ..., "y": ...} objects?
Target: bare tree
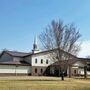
[{"x": 59, "y": 37}]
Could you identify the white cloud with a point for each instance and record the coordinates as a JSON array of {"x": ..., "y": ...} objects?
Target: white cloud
[{"x": 85, "y": 49}]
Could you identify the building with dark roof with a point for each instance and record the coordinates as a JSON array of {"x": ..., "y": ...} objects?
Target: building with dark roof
[{"x": 38, "y": 63}]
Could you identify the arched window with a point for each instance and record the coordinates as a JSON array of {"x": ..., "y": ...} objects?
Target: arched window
[
  {"x": 36, "y": 60},
  {"x": 41, "y": 70},
  {"x": 41, "y": 61},
  {"x": 35, "y": 70},
  {"x": 74, "y": 71},
  {"x": 47, "y": 61}
]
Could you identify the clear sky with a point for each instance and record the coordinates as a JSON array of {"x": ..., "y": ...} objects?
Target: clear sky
[{"x": 21, "y": 20}]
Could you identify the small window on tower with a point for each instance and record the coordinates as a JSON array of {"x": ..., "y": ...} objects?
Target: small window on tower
[{"x": 36, "y": 60}]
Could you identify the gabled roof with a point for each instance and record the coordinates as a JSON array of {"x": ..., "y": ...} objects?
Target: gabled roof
[
  {"x": 70, "y": 61},
  {"x": 50, "y": 51},
  {"x": 23, "y": 54},
  {"x": 85, "y": 59},
  {"x": 22, "y": 63},
  {"x": 15, "y": 53},
  {"x": 64, "y": 62}
]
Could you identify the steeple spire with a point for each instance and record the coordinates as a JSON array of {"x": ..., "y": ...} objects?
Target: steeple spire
[
  {"x": 35, "y": 43},
  {"x": 35, "y": 46}
]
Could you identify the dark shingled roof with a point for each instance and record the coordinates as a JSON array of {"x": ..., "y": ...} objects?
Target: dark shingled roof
[
  {"x": 17, "y": 54},
  {"x": 70, "y": 61},
  {"x": 22, "y": 63},
  {"x": 85, "y": 59},
  {"x": 64, "y": 62}
]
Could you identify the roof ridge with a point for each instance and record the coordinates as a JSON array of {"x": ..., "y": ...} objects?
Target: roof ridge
[{"x": 16, "y": 51}]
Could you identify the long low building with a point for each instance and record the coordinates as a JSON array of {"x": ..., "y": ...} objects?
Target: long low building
[
  {"x": 39, "y": 63},
  {"x": 12, "y": 63}
]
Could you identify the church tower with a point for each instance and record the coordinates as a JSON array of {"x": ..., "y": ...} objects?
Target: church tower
[{"x": 35, "y": 46}]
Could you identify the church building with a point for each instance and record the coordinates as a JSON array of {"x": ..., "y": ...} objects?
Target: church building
[{"x": 38, "y": 63}]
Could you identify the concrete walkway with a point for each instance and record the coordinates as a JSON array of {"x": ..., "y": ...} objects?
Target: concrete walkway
[{"x": 30, "y": 78}]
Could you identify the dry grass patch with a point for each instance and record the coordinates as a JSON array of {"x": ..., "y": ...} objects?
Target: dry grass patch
[{"x": 69, "y": 84}]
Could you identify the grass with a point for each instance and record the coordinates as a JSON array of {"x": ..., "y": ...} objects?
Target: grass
[{"x": 69, "y": 84}]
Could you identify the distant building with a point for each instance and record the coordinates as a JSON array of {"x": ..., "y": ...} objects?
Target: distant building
[{"x": 38, "y": 63}]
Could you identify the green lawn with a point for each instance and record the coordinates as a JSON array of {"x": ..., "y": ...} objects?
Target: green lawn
[{"x": 69, "y": 84}]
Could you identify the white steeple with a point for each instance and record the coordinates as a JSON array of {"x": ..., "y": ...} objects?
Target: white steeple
[{"x": 35, "y": 45}]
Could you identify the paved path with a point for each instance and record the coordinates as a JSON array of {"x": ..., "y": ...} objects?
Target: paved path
[{"x": 29, "y": 78}]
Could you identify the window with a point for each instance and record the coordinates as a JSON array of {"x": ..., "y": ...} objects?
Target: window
[
  {"x": 47, "y": 61},
  {"x": 36, "y": 60},
  {"x": 41, "y": 61},
  {"x": 74, "y": 71},
  {"x": 35, "y": 70},
  {"x": 16, "y": 59},
  {"x": 41, "y": 70}
]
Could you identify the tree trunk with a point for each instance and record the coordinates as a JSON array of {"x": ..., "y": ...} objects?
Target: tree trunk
[{"x": 62, "y": 76}]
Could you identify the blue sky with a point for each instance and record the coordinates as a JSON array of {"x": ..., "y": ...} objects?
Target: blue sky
[{"x": 21, "y": 20}]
